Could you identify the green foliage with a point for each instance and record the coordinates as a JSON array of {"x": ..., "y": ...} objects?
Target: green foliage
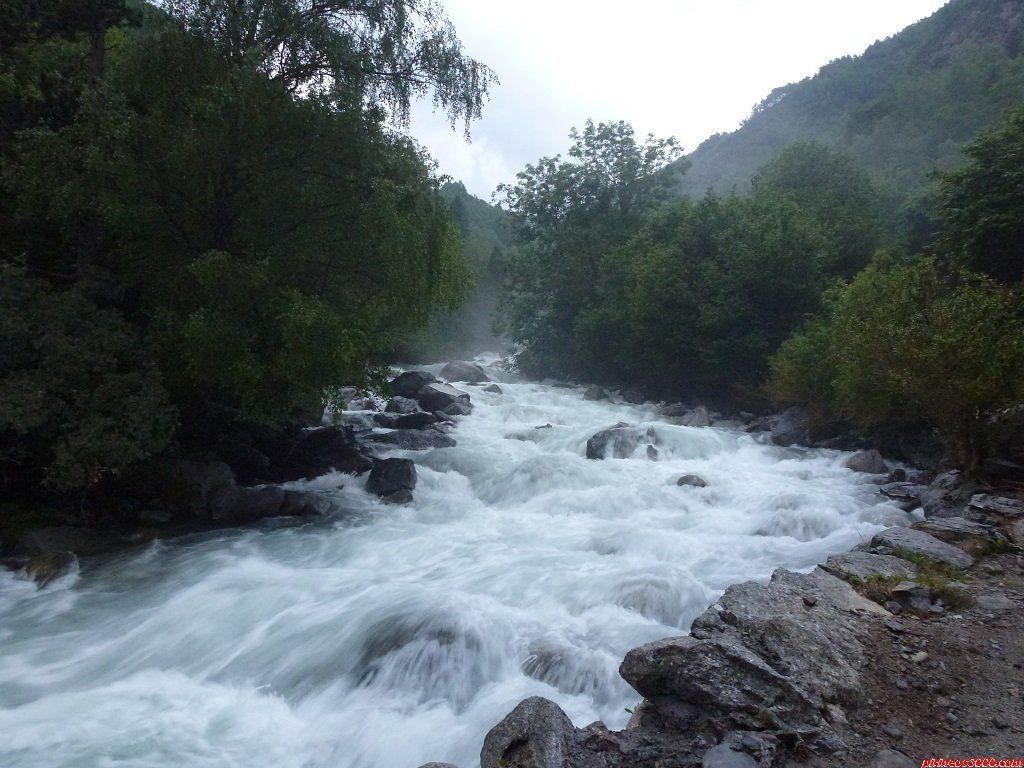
[
  {"x": 215, "y": 208},
  {"x": 982, "y": 203},
  {"x": 567, "y": 214},
  {"x": 837, "y": 194},
  {"x": 709, "y": 291},
  {"x": 80, "y": 398},
  {"x": 914, "y": 345}
]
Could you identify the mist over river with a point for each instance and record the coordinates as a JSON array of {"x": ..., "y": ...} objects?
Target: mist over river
[{"x": 393, "y": 635}]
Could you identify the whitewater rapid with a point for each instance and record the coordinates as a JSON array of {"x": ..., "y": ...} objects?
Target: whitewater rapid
[{"x": 390, "y": 636}]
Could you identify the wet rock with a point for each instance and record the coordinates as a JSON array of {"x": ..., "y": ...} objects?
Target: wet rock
[
  {"x": 1002, "y": 469},
  {"x": 975, "y": 538},
  {"x": 399, "y": 404},
  {"x": 675, "y": 411},
  {"x": 458, "y": 409},
  {"x": 190, "y": 486},
  {"x": 633, "y": 396},
  {"x": 870, "y": 462},
  {"x": 865, "y": 565},
  {"x": 414, "y": 439},
  {"x": 46, "y": 568},
  {"x": 315, "y": 452},
  {"x": 698, "y": 417},
  {"x": 438, "y": 397},
  {"x": 898, "y": 475},
  {"x": 907, "y": 495},
  {"x": 417, "y": 420},
  {"x": 60, "y": 539},
  {"x": 594, "y": 392},
  {"x": 393, "y": 479},
  {"x": 998, "y": 506},
  {"x": 724, "y": 756},
  {"x": 536, "y": 734},
  {"x": 357, "y": 422},
  {"x": 693, "y": 481},
  {"x": 463, "y": 371},
  {"x": 238, "y": 504},
  {"x": 890, "y": 758},
  {"x": 652, "y": 453},
  {"x": 494, "y": 389},
  {"x": 791, "y": 427},
  {"x": 618, "y": 442},
  {"x": 410, "y": 383},
  {"x": 386, "y": 420},
  {"x": 947, "y": 495},
  {"x": 924, "y": 544}
]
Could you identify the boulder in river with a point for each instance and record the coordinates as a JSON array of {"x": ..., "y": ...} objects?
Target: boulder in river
[
  {"x": 536, "y": 734},
  {"x": 417, "y": 420},
  {"x": 791, "y": 427},
  {"x": 633, "y": 396},
  {"x": 869, "y": 462},
  {"x": 594, "y": 393},
  {"x": 414, "y": 439},
  {"x": 393, "y": 480},
  {"x": 458, "y": 409},
  {"x": 399, "y": 404},
  {"x": 409, "y": 384},
  {"x": 494, "y": 389},
  {"x": 46, "y": 568},
  {"x": 693, "y": 481},
  {"x": 618, "y": 442},
  {"x": 437, "y": 397},
  {"x": 463, "y": 371},
  {"x": 698, "y": 417}
]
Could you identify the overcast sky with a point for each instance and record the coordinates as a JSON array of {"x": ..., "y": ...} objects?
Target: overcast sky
[{"x": 683, "y": 68}]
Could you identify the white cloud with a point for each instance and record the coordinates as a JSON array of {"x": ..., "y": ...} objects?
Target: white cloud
[{"x": 688, "y": 68}]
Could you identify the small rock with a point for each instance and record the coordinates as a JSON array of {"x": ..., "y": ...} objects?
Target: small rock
[
  {"x": 693, "y": 481},
  {"x": 493, "y": 389},
  {"x": 724, "y": 756},
  {"x": 894, "y": 626},
  {"x": 951, "y": 718},
  {"x": 902, "y": 684},
  {"x": 810, "y": 601},
  {"x": 898, "y": 475},
  {"x": 893, "y": 607},
  {"x": 652, "y": 453},
  {"x": 890, "y": 758},
  {"x": 1001, "y": 723},
  {"x": 919, "y": 657},
  {"x": 892, "y": 731},
  {"x": 869, "y": 462},
  {"x": 698, "y": 417}
]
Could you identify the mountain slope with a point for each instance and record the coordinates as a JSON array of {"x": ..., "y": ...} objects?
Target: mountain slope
[{"x": 903, "y": 109}]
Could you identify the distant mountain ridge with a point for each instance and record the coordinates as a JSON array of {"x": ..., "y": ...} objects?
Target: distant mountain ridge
[{"x": 904, "y": 108}]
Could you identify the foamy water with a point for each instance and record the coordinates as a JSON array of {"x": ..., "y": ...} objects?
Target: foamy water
[{"x": 391, "y": 636}]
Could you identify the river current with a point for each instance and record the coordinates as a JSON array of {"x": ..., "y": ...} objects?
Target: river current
[{"x": 393, "y": 635}]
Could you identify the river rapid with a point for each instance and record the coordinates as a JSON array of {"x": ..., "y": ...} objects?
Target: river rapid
[{"x": 389, "y": 636}]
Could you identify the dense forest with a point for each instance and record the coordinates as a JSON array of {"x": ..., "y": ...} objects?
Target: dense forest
[
  {"x": 208, "y": 216},
  {"x": 818, "y": 287}
]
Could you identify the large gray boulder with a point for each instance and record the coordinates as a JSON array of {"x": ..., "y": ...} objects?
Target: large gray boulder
[
  {"x": 765, "y": 657},
  {"x": 536, "y": 734},
  {"x": 791, "y": 427},
  {"x": 393, "y": 479},
  {"x": 437, "y": 397},
  {"x": 619, "y": 441},
  {"x": 463, "y": 371},
  {"x": 409, "y": 384},
  {"x": 921, "y": 544},
  {"x": 870, "y": 462}
]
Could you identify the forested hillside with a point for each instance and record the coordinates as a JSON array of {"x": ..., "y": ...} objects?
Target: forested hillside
[
  {"x": 468, "y": 330},
  {"x": 902, "y": 109}
]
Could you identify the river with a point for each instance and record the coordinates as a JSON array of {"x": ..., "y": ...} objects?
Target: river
[{"x": 390, "y": 636}]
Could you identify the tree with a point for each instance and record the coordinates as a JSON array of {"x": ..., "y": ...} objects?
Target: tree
[
  {"x": 837, "y": 194},
  {"x": 982, "y": 203},
  {"x": 566, "y": 215}
]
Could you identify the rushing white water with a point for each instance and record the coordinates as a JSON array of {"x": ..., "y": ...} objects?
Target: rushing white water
[{"x": 396, "y": 635}]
